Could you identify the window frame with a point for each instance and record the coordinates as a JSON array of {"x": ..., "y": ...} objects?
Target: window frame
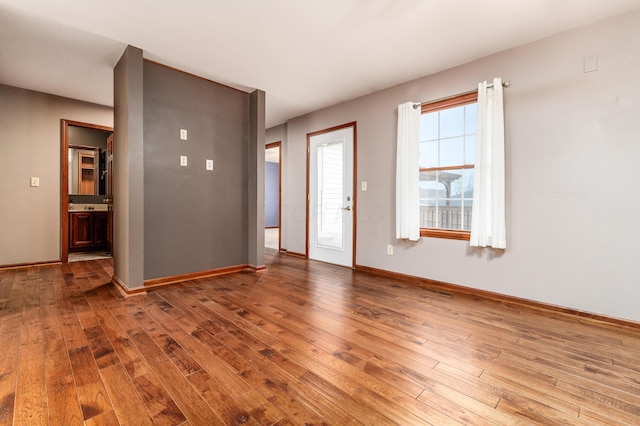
[{"x": 439, "y": 105}]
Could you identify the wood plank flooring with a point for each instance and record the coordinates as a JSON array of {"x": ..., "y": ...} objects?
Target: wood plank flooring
[{"x": 300, "y": 343}]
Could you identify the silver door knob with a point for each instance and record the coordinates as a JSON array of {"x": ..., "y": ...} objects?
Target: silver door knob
[{"x": 348, "y": 208}]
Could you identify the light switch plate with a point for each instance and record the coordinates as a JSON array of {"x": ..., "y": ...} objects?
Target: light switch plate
[
  {"x": 183, "y": 134},
  {"x": 591, "y": 63},
  {"x": 364, "y": 185},
  {"x": 183, "y": 160},
  {"x": 35, "y": 181},
  {"x": 209, "y": 164}
]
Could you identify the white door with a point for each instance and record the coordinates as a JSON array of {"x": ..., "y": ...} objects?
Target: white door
[{"x": 331, "y": 203}]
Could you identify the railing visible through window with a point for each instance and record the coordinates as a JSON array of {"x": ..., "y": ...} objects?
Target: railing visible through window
[
  {"x": 446, "y": 217},
  {"x": 447, "y": 154}
]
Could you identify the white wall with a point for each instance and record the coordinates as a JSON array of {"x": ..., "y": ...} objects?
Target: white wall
[
  {"x": 30, "y": 146},
  {"x": 573, "y": 156}
]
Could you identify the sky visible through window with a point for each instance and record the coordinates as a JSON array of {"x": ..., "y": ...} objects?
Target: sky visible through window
[{"x": 447, "y": 140}]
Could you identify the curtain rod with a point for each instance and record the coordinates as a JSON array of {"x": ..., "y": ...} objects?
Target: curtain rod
[{"x": 505, "y": 84}]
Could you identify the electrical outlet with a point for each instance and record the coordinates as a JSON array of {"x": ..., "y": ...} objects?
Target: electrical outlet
[
  {"x": 183, "y": 134},
  {"x": 183, "y": 160},
  {"x": 390, "y": 250},
  {"x": 209, "y": 164}
]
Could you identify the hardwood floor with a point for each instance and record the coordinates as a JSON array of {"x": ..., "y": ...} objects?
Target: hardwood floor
[{"x": 300, "y": 343}]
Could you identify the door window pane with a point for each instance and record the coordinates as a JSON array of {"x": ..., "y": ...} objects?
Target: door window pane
[{"x": 330, "y": 195}]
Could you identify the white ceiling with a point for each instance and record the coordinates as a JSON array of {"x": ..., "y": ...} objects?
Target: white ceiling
[{"x": 305, "y": 54}]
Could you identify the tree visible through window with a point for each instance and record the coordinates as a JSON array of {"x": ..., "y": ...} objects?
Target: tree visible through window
[{"x": 447, "y": 155}]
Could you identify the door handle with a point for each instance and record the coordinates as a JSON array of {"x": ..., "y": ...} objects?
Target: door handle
[{"x": 348, "y": 208}]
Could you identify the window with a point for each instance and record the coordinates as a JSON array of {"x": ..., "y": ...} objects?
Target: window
[{"x": 447, "y": 155}]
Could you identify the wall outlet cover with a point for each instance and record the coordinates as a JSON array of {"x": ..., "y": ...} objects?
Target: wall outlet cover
[
  {"x": 209, "y": 164},
  {"x": 591, "y": 63},
  {"x": 183, "y": 160}
]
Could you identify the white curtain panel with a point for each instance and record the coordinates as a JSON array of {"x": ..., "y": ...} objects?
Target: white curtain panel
[
  {"x": 408, "y": 173},
  {"x": 488, "y": 228}
]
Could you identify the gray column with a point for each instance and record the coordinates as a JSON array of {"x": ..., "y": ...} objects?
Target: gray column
[
  {"x": 256, "y": 179},
  {"x": 128, "y": 193}
]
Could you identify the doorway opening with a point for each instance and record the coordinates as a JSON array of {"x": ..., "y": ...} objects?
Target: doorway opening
[
  {"x": 86, "y": 199},
  {"x": 272, "y": 196}
]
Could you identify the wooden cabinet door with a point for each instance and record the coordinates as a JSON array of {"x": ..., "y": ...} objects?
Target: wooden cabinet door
[
  {"x": 100, "y": 227},
  {"x": 81, "y": 230}
]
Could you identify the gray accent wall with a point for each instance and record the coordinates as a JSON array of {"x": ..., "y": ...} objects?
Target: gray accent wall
[
  {"x": 88, "y": 137},
  {"x": 30, "y": 146},
  {"x": 85, "y": 136},
  {"x": 167, "y": 220},
  {"x": 194, "y": 219},
  {"x": 572, "y": 173}
]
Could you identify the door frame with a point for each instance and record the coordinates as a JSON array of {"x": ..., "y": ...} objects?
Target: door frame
[
  {"x": 354, "y": 190},
  {"x": 64, "y": 181},
  {"x": 278, "y": 145},
  {"x": 109, "y": 193}
]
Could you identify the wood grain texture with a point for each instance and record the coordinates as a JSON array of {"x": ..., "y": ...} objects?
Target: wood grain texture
[
  {"x": 62, "y": 401},
  {"x": 300, "y": 343}
]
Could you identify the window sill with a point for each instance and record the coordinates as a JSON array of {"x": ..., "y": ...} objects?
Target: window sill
[{"x": 445, "y": 233}]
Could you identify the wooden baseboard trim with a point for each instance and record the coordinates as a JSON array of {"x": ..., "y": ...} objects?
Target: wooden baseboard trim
[
  {"x": 294, "y": 254},
  {"x": 124, "y": 291},
  {"x": 30, "y": 265},
  {"x": 251, "y": 268},
  {"x": 447, "y": 288},
  {"x": 155, "y": 282}
]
